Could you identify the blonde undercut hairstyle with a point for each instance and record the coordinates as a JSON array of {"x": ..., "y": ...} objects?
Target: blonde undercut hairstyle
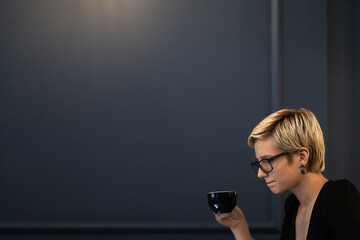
[{"x": 291, "y": 130}]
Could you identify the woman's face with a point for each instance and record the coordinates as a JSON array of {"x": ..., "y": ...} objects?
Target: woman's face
[{"x": 285, "y": 175}]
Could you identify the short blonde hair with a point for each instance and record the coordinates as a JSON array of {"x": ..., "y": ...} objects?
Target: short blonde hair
[{"x": 292, "y": 129}]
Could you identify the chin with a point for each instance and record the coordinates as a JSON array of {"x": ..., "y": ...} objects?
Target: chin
[{"x": 276, "y": 190}]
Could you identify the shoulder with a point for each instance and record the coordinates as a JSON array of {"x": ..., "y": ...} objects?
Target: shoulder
[
  {"x": 339, "y": 189},
  {"x": 341, "y": 196},
  {"x": 341, "y": 183},
  {"x": 338, "y": 209}
]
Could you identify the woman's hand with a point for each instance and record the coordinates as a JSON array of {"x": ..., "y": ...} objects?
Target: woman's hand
[
  {"x": 236, "y": 222},
  {"x": 231, "y": 220}
]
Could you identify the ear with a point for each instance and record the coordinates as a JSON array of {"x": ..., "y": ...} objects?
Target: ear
[{"x": 304, "y": 155}]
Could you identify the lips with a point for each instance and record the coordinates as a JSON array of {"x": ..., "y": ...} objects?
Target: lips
[{"x": 268, "y": 183}]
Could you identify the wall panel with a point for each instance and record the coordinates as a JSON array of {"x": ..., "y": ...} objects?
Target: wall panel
[{"x": 121, "y": 115}]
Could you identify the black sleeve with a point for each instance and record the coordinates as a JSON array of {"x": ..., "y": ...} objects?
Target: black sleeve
[{"x": 344, "y": 211}]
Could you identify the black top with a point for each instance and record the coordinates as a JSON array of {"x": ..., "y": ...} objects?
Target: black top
[{"x": 336, "y": 213}]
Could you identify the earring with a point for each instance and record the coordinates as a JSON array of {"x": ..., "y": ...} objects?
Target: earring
[{"x": 302, "y": 169}]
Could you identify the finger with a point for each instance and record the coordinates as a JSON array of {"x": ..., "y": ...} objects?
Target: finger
[{"x": 221, "y": 214}]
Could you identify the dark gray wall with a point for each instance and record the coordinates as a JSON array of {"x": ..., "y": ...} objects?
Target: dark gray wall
[
  {"x": 355, "y": 174},
  {"x": 343, "y": 21},
  {"x": 119, "y": 116},
  {"x": 304, "y": 50}
]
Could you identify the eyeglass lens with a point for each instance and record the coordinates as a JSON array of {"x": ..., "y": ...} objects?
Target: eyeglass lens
[{"x": 264, "y": 164}]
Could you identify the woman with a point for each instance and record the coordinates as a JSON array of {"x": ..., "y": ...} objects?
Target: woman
[{"x": 290, "y": 151}]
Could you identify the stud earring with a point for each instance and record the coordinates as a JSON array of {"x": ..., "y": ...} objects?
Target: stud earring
[{"x": 302, "y": 169}]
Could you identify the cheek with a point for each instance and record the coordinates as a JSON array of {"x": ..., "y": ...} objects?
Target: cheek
[
  {"x": 285, "y": 174},
  {"x": 281, "y": 169},
  {"x": 286, "y": 168},
  {"x": 287, "y": 179}
]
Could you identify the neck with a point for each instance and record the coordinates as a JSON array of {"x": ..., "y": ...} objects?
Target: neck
[{"x": 308, "y": 188}]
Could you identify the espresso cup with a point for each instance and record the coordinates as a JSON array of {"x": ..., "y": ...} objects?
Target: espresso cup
[{"x": 222, "y": 201}]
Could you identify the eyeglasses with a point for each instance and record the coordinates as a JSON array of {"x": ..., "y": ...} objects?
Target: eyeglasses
[{"x": 265, "y": 164}]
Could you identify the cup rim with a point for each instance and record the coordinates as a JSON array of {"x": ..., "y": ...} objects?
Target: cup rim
[{"x": 222, "y": 191}]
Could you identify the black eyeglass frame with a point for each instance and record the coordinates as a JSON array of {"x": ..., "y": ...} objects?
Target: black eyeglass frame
[{"x": 269, "y": 160}]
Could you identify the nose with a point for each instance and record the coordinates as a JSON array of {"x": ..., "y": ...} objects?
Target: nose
[{"x": 261, "y": 174}]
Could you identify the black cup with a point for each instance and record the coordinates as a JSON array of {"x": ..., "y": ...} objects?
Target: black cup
[{"x": 222, "y": 201}]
